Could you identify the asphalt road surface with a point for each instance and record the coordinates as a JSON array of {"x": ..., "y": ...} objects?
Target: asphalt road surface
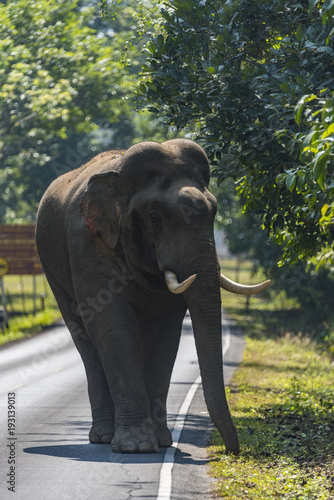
[{"x": 45, "y": 420}]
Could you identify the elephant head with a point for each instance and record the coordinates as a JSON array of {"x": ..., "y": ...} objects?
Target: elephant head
[{"x": 153, "y": 203}]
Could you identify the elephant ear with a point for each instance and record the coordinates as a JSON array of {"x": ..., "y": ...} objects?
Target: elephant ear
[{"x": 100, "y": 208}]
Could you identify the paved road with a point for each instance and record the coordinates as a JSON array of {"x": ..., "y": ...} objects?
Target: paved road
[{"x": 48, "y": 456}]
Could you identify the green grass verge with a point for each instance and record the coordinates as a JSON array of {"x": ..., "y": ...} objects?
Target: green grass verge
[
  {"x": 20, "y": 293},
  {"x": 25, "y": 326},
  {"x": 281, "y": 399},
  {"x": 271, "y": 313},
  {"x": 20, "y": 306}
]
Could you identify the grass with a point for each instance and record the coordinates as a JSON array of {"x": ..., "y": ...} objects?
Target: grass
[
  {"x": 23, "y": 320},
  {"x": 25, "y": 326},
  {"x": 20, "y": 293},
  {"x": 281, "y": 399},
  {"x": 270, "y": 313}
]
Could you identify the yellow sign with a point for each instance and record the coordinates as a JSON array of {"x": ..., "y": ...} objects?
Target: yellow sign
[{"x": 3, "y": 267}]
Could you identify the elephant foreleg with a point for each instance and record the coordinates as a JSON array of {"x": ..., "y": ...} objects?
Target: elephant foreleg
[
  {"x": 159, "y": 344},
  {"x": 116, "y": 333}
]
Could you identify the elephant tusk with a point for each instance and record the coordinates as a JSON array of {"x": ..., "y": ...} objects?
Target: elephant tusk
[
  {"x": 232, "y": 286},
  {"x": 174, "y": 286}
]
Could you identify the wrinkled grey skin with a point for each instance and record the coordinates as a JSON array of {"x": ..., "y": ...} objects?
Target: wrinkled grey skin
[{"x": 106, "y": 233}]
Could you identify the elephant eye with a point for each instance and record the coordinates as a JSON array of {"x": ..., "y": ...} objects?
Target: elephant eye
[{"x": 155, "y": 218}]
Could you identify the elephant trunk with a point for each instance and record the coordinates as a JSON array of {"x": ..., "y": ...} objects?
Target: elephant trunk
[{"x": 204, "y": 303}]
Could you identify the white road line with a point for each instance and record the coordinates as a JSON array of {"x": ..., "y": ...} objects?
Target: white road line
[
  {"x": 165, "y": 482},
  {"x": 226, "y": 347}
]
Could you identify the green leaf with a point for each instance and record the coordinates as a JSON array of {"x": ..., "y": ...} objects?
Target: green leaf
[
  {"x": 310, "y": 140},
  {"x": 300, "y": 80},
  {"x": 299, "y": 109},
  {"x": 151, "y": 109},
  {"x": 142, "y": 88},
  {"x": 329, "y": 131},
  {"x": 210, "y": 70},
  {"x": 152, "y": 47},
  {"x": 279, "y": 222},
  {"x": 285, "y": 87},
  {"x": 290, "y": 181},
  {"x": 328, "y": 7},
  {"x": 227, "y": 8},
  {"x": 319, "y": 168},
  {"x": 299, "y": 33},
  {"x": 151, "y": 86},
  {"x": 324, "y": 209},
  {"x": 220, "y": 39},
  {"x": 301, "y": 183},
  {"x": 301, "y": 105},
  {"x": 160, "y": 40},
  {"x": 327, "y": 10},
  {"x": 312, "y": 4}
]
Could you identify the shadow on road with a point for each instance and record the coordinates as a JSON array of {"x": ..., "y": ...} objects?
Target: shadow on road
[
  {"x": 196, "y": 426},
  {"x": 102, "y": 453}
]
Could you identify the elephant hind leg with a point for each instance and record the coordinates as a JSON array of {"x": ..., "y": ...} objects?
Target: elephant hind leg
[{"x": 102, "y": 407}]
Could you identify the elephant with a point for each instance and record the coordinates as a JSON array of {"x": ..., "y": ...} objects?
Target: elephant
[{"x": 127, "y": 245}]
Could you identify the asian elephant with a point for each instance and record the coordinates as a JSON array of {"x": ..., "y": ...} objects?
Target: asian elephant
[{"x": 127, "y": 245}]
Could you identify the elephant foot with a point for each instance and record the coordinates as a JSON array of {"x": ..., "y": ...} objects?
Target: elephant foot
[
  {"x": 135, "y": 440},
  {"x": 164, "y": 437},
  {"x": 101, "y": 434}
]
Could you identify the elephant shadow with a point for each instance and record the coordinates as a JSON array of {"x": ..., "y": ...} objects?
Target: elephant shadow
[
  {"x": 197, "y": 431},
  {"x": 93, "y": 453}
]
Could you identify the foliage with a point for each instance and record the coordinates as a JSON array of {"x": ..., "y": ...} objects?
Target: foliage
[
  {"x": 240, "y": 231},
  {"x": 67, "y": 91},
  {"x": 58, "y": 80},
  {"x": 244, "y": 74},
  {"x": 312, "y": 179},
  {"x": 311, "y": 288}
]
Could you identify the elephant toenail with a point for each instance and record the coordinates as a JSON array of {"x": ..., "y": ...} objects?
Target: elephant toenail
[
  {"x": 94, "y": 439},
  {"x": 165, "y": 442},
  {"x": 144, "y": 448},
  {"x": 106, "y": 439},
  {"x": 129, "y": 447}
]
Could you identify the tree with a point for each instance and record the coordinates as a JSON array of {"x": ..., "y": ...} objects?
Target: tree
[
  {"x": 255, "y": 80},
  {"x": 59, "y": 82},
  {"x": 68, "y": 93}
]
